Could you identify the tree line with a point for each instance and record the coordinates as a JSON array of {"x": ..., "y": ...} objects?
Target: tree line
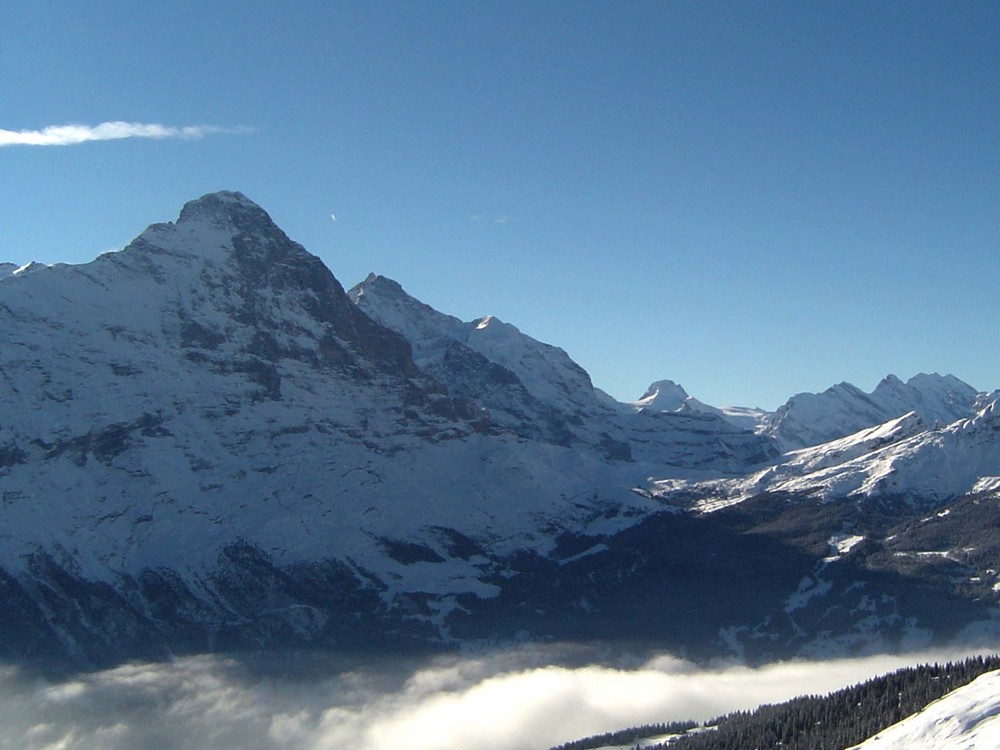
[{"x": 632, "y": 735}]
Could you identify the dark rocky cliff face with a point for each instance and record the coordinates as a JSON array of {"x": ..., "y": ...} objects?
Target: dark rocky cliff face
[{"x": 271, "y": 276}]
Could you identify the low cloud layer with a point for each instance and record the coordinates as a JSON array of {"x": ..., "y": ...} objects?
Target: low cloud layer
[
  {"x": 66, "y": 135},
  {"x": 503, "y": 701}
]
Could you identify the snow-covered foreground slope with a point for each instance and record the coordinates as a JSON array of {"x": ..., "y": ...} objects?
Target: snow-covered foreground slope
[{"x": 965, "y": 719}]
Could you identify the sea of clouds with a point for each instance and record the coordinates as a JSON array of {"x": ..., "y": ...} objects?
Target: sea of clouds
[{"x": 519, "y": 699}]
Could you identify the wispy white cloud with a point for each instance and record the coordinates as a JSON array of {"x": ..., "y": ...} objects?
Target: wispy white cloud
[
  {"x": 66, "y": 135},
  {"x": 476, "y": 218}
]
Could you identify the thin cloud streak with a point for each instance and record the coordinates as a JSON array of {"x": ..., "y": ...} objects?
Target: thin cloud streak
[{"x": 67, "y": 135}]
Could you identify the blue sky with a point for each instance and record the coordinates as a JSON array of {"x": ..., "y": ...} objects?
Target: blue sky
[{"x": 752, "y": 199}]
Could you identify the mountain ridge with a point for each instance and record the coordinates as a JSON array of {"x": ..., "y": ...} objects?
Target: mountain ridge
[{"x": 208, "y": 444}]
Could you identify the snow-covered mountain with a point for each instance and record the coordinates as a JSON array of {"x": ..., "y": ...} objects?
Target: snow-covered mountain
[
  {"x": 901, "y": 458},
  {"x": 536, "y": 390},
  {"x": 208, "y": 402},
  {"x": 813, "y": 418},
  {"x": 966, "y": 718},
  {"x": 668, "y": 396},
  {"x": 207, "y": 444},
  {"x": 546, "y": 372},
  {"x": 531, "y": 387},
  {"x": 222, "y": 369},
  {"x": 809, "y": 419}
]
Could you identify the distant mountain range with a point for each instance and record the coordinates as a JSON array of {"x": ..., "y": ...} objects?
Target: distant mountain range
[
  {"x": 809, "y": 419},
  {"x": 208, "y": 445}
]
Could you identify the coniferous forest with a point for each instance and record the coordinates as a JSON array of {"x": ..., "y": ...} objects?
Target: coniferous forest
[
  {"x": 833, "y": 722},
  {"x": 632, "y": 735}
]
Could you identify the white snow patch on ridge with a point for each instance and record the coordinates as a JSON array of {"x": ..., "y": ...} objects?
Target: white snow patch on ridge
[{"x": 844, "y": 543}]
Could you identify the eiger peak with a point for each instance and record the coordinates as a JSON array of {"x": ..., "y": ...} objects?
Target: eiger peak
[{"x": 207, "y": 445}]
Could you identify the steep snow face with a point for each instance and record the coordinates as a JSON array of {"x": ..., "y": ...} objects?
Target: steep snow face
[
  {"x": 527, "y": 387},
  {"x": 428, "y": 331},
  {"x": 968, "y": 717},
  {"x": 901, "y": 458},
  {"x": 814, "y": 418},
  {"x": 936, "y": 398},
  {"x": 546, "y": 371}
]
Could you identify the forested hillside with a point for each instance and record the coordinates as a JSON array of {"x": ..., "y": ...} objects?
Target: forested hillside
[{"x": 832, "y": 722}]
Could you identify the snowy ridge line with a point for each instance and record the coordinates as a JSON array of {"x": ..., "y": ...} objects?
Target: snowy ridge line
[{"x": 903, "y": 457}]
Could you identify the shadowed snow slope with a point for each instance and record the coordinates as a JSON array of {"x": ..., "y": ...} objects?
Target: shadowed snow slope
[{"x": 538, "y": 391}]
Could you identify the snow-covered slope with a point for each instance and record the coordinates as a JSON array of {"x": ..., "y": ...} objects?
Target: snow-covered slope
[
  {"x": 532, "y": 388},
  {"x": 546, "y": 371},
  {"x": 809, "y": 419},
  {"x": 965, "y": 719}
]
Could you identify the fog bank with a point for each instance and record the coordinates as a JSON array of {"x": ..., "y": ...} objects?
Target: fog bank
[{"x": 504, "y": 700}]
